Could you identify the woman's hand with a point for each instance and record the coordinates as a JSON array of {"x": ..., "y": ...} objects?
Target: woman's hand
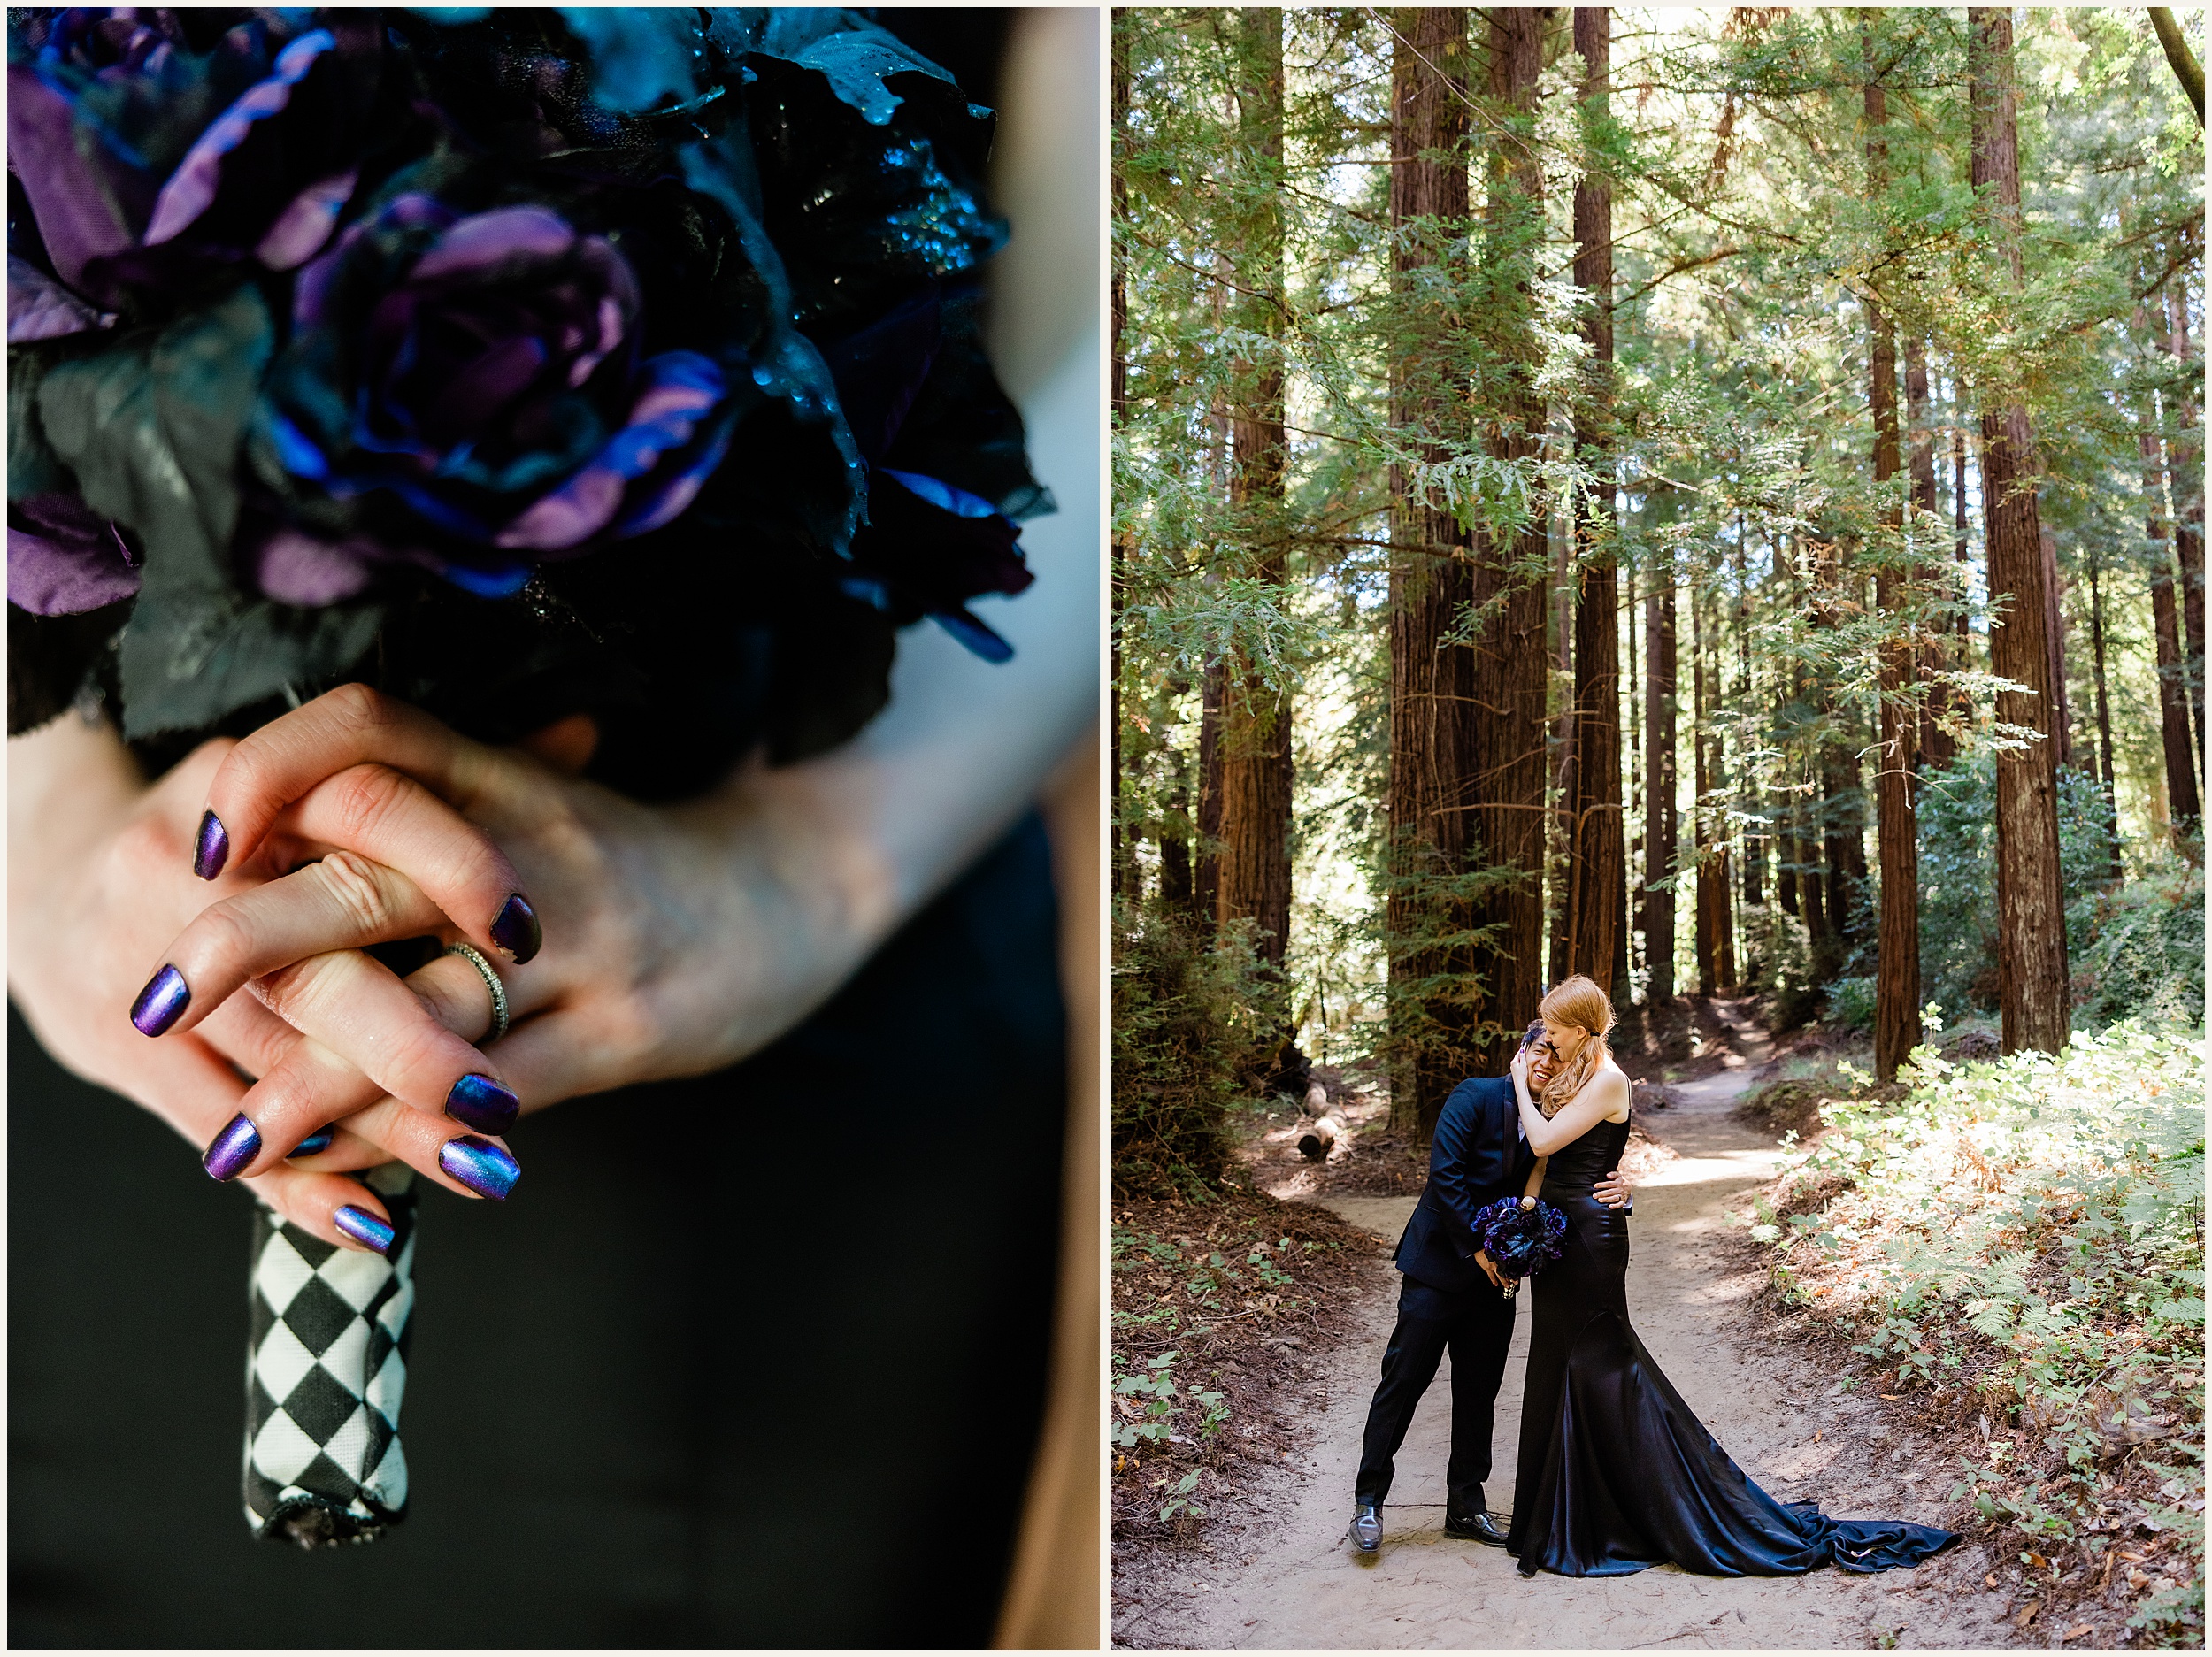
[
  {"x": 100, "y": 880},
  {"x": 677, "y": 939}
]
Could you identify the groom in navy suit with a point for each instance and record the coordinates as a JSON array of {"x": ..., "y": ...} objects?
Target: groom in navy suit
[{"x": 1452, "y": 1299}]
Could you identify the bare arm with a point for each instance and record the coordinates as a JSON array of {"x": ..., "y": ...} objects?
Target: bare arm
[{"x": 1604, "y": 1098}]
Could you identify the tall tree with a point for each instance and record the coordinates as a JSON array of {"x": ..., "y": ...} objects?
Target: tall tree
[
  {"x": 1660, "y": 778},
  {"x": 2184, "y": 804},
  {"x": 1508, "y": 783},
  {"x": 1937, "y": 747},
  {"x": 1897, "y": 931},
  {"x": 2104, "y": 719},
  {"x": 2030, "y": 902},
  {"x": 1597, "y": 873},
  {"x": 1256, "y": 752},
  {"x": 1713, "y": 931},
  {"x": 1122, "y": 845},
  {"x": 2188, "y": 486},
  {"x": 1431, "y": 584}
]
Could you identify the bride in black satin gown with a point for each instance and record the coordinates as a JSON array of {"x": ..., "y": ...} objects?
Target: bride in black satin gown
[{"x": 1617, "y": 1474}]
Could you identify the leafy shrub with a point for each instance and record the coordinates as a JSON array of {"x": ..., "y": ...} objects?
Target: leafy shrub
[
  {"x": 1850, "y": 1004},
  {"x": 2141, "y": 950},
  {"x": 2027, "y": 1235},
  {"x": 1189, "y": 1011},
  {"x": 1958, "y": 874}
]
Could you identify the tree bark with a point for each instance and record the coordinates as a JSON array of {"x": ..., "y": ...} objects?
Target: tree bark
[
  {"x": 1597, "y": 875},
  {"x": 1659, "y": 778},
  {"x": 2104, "y": 723},
  {"x": 1432, "y": 682},
  {"x": 1206, "y": 891},
  {"x": 1937, "y": 747},
  {"x": 1122, "y": 847},
  {"x": 2031, "y": 900},
  {"x": 2054, "y": 647},
  {"x": 1509, "y": 729},
  {"x": 1256, "y": 764},
  {"x": 2188, "y": 486},
  {"x": 2184, "y": 804},
  {"x": 1897, "y": 834}
]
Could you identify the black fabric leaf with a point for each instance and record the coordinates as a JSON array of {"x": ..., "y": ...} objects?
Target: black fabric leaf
[{"x": 151, "y": 429}]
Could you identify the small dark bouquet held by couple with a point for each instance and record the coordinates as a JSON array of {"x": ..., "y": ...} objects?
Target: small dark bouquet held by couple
[
  {"x": 525, "y": 364},
  {"x": 1521, "y": 1235}
]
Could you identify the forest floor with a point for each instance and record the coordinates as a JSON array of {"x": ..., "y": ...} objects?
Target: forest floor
[{"x": 1270, "y": 1568}]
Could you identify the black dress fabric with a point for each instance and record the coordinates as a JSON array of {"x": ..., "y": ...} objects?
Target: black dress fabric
[
  {"x": 754, "y": 1359},
  {"x": 1616, "y": 1473}
]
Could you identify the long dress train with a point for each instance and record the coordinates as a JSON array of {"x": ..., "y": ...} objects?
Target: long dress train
[{"x": 1617, "y": 1474}]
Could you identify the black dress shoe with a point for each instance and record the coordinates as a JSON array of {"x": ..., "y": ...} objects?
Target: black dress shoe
[
  {"x": 1476, "y": 1527},
  {"x": 1366, "y": 1531}
]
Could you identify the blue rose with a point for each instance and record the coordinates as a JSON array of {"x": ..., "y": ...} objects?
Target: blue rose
[
  {"x": 471, "y": 390},
  {"x": 155, "y": 147}
]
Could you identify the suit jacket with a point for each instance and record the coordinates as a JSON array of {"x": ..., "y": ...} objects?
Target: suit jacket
[{"x": 1477, "y": 1156}]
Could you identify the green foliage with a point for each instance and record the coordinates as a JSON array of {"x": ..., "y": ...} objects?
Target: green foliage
[
  {"x": 1850, "y": 1004},
  {"x": 2029, "y": 1232},
  {"x": 1958, "y": 898},
  {"x": 1189, "y": 1013},
  {"x": 2140, "y": 948},
  {"x": 150, "y": 427}
]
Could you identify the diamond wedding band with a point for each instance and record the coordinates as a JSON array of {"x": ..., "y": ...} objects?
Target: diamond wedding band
[{"x": 475, "y": 958}]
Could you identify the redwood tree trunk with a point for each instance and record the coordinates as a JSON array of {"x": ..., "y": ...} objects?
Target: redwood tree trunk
[
  {"x": 1122, "y": 845},
  {"x": 2184, "y": 804},
  {"x": 2104, "y": 726},
  {"x": 1937, "y": 747},
  {"x": 2031, "y": 900},
  {"x": 1597, "y": 875},
  {"x": 1897, "y": 931},
  {"x": 2188, "y": 483},
  {"x": 1207, "y": 885},
  {"x": 1432, "y": 682},
  {"x": 1659, "y": 778},
  {"x": 1255, "y": 757},
  {"x": 1507, "y": 785}
]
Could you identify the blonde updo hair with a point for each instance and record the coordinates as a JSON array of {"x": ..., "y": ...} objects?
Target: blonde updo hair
[{"x": 1576, "y": 1002}]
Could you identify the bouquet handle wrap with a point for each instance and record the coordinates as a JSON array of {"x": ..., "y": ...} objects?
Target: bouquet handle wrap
[{"x": 325, "y": 1366}]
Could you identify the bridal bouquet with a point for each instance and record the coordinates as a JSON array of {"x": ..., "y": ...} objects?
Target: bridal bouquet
[
  {"x": 611, "y": 361},
  {"x": 525, "y": 363},
  {"x": 1521, "y": 1235}
]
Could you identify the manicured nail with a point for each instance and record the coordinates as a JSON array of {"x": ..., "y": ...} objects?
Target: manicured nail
[
  {"x": 315, "y": 1144},
  {"x": 479, "y": 1165},
  {"x": 483, "y": 1104},
  {"x": 162, "y": 1003},
  {"x": 365, "y": 1228},
  {"x": 213, "y": 848},
  {"x": 233, "y": 1149},
  {"x": 517, "y": 932}
]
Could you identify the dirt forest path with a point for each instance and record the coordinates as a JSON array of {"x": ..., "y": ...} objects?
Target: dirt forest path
[{"x": 1287, "y": 1579}]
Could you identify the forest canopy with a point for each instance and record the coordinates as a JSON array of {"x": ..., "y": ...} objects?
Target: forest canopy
[{"x": 1710, "y": 499}]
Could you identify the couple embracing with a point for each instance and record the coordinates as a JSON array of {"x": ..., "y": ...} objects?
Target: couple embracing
[{"x": 1616, "y": 1473}]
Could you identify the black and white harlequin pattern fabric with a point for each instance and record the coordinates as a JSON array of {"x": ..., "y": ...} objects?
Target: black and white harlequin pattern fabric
[{"x": 325, "y": 1368}]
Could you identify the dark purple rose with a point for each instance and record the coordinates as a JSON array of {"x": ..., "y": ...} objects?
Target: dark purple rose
[
  {"x": 64, "y": 558},
  {"x": 483, "y": 374},
  {"x": 155, "y": 145},
  {"x": 1520, "y": 1235}
]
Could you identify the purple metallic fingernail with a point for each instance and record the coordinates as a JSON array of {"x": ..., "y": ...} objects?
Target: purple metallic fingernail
[
  {"x": 483, "y": 1104},
  {"x": 233, "y": 1149},
  {"x": 212, "y": 849},
  {"x": 479, "y": 1165},
  {"x": 315, "y": 1143},
  {"x": 517, "y": 932},
  {"x": 365, "y": 1228},
  {"x": 162, "y": 1003}
]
